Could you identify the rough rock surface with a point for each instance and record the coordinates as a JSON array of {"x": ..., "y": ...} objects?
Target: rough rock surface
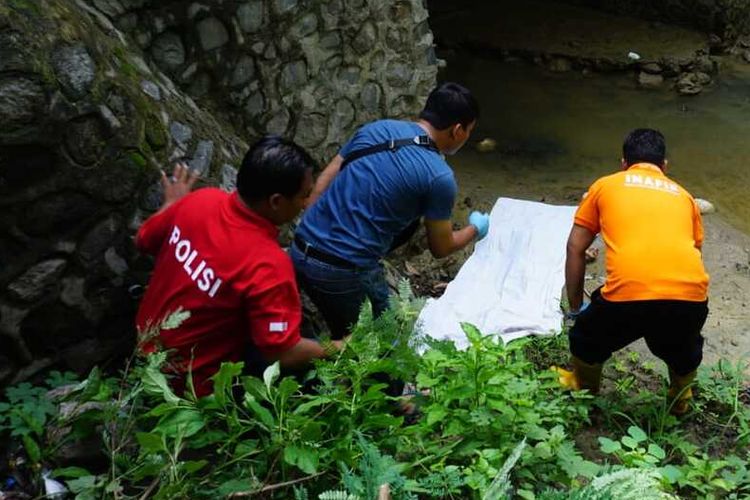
[{"x": 97, "y": 95}]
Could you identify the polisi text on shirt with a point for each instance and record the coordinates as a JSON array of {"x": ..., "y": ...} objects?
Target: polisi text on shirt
[{"x": 187, "y": 255}]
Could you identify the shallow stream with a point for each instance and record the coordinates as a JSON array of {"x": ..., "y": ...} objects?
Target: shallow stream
[{"x": 557, "y": 132}]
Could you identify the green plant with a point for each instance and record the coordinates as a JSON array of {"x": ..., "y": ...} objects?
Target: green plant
[{"x": 633, "y": 449}]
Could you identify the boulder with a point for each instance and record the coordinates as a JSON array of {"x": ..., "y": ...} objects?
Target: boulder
[
  {"x": 650, "y": 81},
  {"x": 212, "y": 33},
  {"x": 75, "y": 69}
]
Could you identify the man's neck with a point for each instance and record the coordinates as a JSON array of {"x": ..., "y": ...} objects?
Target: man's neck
[
  {"x": 261, "y": 209},
  {"x": 436, "y": 135}
]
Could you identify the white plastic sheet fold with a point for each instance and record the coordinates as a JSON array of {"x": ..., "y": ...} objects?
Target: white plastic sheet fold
[{"x": 512, "y": 283}]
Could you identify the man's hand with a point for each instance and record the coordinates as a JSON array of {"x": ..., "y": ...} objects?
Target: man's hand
[
  {"x": 481, "y": 221},
  {"x": 573, "y": 314},
  {"x": 179, "y": 184}
]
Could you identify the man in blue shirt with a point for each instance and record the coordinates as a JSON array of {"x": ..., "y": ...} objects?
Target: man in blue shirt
[{"x": 388, "y": 176}]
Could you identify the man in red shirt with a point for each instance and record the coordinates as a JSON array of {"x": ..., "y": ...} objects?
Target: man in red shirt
[{"x": 218, "y": 258}]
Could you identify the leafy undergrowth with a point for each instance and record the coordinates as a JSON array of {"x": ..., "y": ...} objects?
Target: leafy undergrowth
[{"x": 491, "y": 423}]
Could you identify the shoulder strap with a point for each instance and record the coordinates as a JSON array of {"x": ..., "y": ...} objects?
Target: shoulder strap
[{"x": 392, "y": 145}]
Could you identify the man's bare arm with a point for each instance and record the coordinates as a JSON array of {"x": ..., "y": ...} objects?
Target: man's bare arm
[
  {"x": 443, "y": 240},
  {"x": 303, "y": 353},
  {"x": 575, "y": 264},
  {"x": 325, "y": 178}
]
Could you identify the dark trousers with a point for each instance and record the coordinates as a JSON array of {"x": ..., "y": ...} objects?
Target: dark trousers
[{"x": 671, "y": 328}]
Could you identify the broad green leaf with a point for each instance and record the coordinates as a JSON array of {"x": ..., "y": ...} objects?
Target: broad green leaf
[
  {"x": 609, "y": 446},
  {"x": 287, "y": 387},
  {"x": 183, "y": 422},
  {"x": 150, "y": 442},
  {"x": 637, "y": 434},
  {"x": 155, "y": 383},
  {"x": 472, "y": 333},
  {"x": 309, "y": 405},
  {"x": 192, "y": 466},
  {"x": 236, "y": 486},
  {"x": 656, "y": 451},
  {"x": 246, "y": 447},
  {"x": 436, "y": 414},
  {"x": 70, "y": 472},
  {"x": 32, "y": 448},
  {"x": 305, "y": 459},
  {"x": 629, "y": 442},
  {"x": 671, "y": 473},
  {"x": 223, "y": 380},
  {"x": 262, "y": 413},
  {"x": 82, "y": 484},
  {"x": 270, "y": 375}
]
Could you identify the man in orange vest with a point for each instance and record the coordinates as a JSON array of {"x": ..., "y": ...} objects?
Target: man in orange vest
[{"x": 656, "y": 285}]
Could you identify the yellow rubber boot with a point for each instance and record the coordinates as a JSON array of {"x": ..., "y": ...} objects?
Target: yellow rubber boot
[
  {"x": 680, "y": 393},
  {"x": 584, "y": 376}
]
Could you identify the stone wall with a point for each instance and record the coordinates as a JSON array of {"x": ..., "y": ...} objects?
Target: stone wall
[
  {"x": 313, "y": 70},
  {"x": 97, "y": 95}
]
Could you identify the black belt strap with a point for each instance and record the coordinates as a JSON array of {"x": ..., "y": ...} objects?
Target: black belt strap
[
  {"x": 313, "y": 252},
  {"x": 394, "y": 144}
]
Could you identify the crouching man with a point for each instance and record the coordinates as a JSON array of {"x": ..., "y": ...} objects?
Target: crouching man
[
  {"x": 217, "y": 256},
  {"x": 656, "y": 285}
]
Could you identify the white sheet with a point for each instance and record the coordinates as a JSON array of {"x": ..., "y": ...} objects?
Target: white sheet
[{"x": 511, "y": 284}]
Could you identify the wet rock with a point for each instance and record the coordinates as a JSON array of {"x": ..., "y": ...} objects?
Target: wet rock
[
  {"x": 651, "y": 68},
  {"x": 56, "y": 213},
  {"x": 85, "y": 140},
  {"x": 705, "y": 64},
  {"x": 293, "y": 76},
  {"x": 212, "y": 33},
  {"x": 37, "y": 280},
  {"x": 112, "y": 8},
  {"x": 746, "y": 56},
  {"x": 399, "y": 74},
  {"x": 21, "y": 100},
  {"x": 705, "y": 206},
  {"x": 343, "y": 115},
  {"x": 254, "y": 105},
  {"x": 111, "y": 121},
  {"x": 371, "y": 96},
  {"x": 559, "y": 65},
  {"x": 365, "y": 39},
  {"x": 670, "y": 67},
  {"x": 304, "y": 27},
  {"x": 279, "y": 122},
  {"x": 486, "y": 145},
  {"x": 168, "y": 51},
  {"x": 75, "y": 69},
  {"x": 688, "y": 84},
  {"x": 311, "y": 130},
  {"x": 151, "y": 89},
  {"x": 228, "y": 177},
  {"x": 284, "y": 6},
  {"x": 250, "y": 16},
  {"x": 650, "y": 81},
  {"x": 114, "y": 262},
  {"x": 244, "y": 71},
  {"x": 97, "y": 240},
  {"x": 201, "y": 160},
  {"x": 152, "y": 197},
  {"x": 180, "y": 132}
]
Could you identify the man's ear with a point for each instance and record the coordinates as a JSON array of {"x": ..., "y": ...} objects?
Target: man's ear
[
  {"x": 274, "y": 201},
  {"x": 455, "y": 130},
  {"x": 623, "y": 164},
  {"x": 665, "y": 165}
]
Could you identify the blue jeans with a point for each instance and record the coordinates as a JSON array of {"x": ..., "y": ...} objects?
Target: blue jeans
[{"x": 339, "y": 293}]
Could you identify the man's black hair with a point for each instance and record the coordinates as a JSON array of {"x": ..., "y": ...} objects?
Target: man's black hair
[
  {"x": 644, "y": 145},
  {"x": 450, "y": 103},
  {"x": 273, "y": 165}
]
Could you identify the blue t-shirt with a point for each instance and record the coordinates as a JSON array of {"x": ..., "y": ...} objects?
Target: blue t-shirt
[{"x": 375, "y": 197}]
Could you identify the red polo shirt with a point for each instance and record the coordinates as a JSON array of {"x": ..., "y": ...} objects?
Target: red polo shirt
[{"x": 220, "y": 261}]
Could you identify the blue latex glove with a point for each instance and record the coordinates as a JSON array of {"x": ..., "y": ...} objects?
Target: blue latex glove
[
  {"x": 575, "y": 314},
  {"x": 481, "y": 221}
]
